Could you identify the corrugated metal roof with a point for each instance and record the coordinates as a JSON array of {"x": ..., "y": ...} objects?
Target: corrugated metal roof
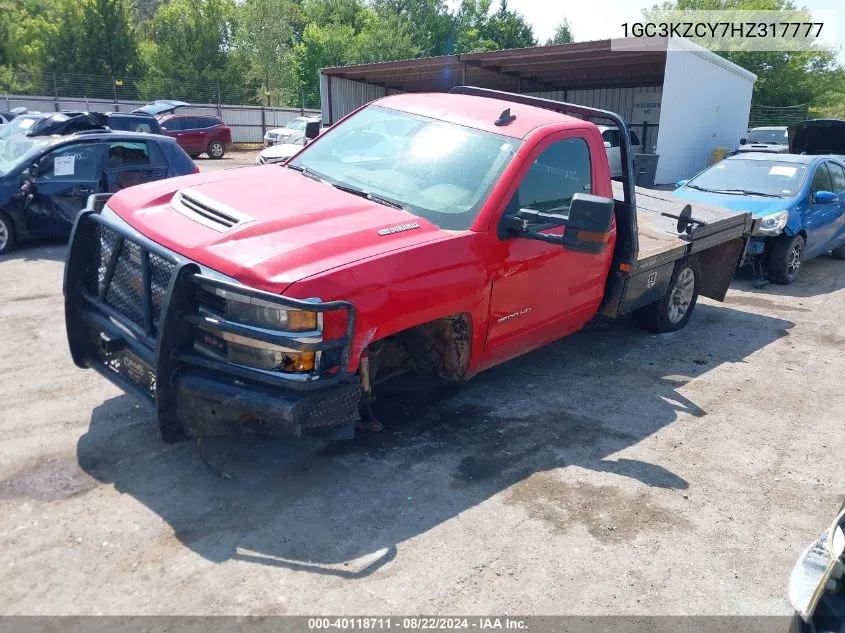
[
  {"x": 578, "y": 65},
  {"x": 621, "y": 62}
]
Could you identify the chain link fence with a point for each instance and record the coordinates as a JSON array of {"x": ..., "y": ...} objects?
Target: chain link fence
[{"x": 59, "y": 85}]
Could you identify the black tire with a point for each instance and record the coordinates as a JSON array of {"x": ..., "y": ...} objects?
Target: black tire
[
  {"x": 838, "y": 253},
  {"x": 215, "y": 150},
  {"x": 194, "y": 156},
  {"x": 7, "y": 233},
  {"x": 785, "y": 259},
  {"x": 672, "y": 311}
]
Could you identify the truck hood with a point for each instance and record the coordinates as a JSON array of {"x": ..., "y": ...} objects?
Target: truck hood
[
  {"x": 818, "y": 136},
  {"x": 290, "y": 227},
  {"x": 758, "y": 206}
]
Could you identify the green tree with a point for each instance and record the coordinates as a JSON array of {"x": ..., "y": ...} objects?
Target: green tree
[
  {"x": 509, "y": 29},
  {"x": 477, "y": 30},
  {"x": 191, "y": 53},
  {"x": 110, "y": 44},
  {"x": 366, "y": 37},
  {"x": 428, "y": 22},
  {"x": 563, "y": 34},
  {"x": 266, "y": 34},
  {"x": 321, "y": 47}
]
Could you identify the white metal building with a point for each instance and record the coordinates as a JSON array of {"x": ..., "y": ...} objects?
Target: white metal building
[{"x": 683, "y": 101}]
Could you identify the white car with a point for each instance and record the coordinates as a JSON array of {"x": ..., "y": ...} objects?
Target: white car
[
  {"x": 291, "y": 132},
  {"x": 279, "y": 153},
  {"x": 610, "y": 135}
]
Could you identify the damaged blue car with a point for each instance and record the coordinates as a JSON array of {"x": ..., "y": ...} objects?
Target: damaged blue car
[
  {"x": 47, "y": 174},
  {"x": 799, "y": 197}
]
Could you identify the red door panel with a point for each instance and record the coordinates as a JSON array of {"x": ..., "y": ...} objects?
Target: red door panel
[{"x": 540, "y": 291}]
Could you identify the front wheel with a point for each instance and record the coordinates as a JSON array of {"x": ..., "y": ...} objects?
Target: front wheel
[
  {"x": 216, "y": 149},
  {"x": 785, "y": 259},
  {"x": 7, "y": 233},
  {"x": 672, "y": 311}
]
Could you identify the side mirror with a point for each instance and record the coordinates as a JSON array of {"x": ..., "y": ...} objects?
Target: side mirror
[
  {"x": 588, "y": 226},
  {"x": 743, "y": 141},
  {"x": 681, "y": 183},
  {"x": 312, "y": 130},
  {"x": 825, "y": 197},
  {"x": 607, "y": 145}
]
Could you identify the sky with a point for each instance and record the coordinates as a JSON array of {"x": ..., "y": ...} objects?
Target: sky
[{"x": 602, "y": 19}]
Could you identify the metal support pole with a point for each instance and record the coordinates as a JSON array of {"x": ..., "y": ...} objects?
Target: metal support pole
[
  {"x": 114, "y": 91},
  {"x": 329, "y": 100},
  {"x": 55, "y": 93}
]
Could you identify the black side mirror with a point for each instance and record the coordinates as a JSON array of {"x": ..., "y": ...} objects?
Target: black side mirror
[
  {"x": 312, "y": 130},
  {"x": 743, "y": 141},
  {"x": 586, "y": 224}
]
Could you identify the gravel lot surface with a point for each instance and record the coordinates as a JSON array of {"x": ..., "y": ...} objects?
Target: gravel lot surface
[{"x": 614, "y": 472}]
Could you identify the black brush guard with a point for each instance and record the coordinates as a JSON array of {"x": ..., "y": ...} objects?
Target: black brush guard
[{"x": 132, "y": 309}]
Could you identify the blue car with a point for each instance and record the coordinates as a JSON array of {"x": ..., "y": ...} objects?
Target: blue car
[
  {"x": 47, "y": 174},
  {"x": 800, "y": 198}
]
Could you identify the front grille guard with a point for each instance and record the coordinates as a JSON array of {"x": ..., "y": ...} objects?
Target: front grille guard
[{"x": 167, "y": 346}]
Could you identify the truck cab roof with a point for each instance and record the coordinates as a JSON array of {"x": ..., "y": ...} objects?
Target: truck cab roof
[{"x": 480, "y": 113}]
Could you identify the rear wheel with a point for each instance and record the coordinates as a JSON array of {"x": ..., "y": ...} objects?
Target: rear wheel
[
  {"x": 785, "y": 259},
  {"x": 672, "y": 311},
  {"x": 216, "y": 149},
  {"x": 7, "y": 233}
]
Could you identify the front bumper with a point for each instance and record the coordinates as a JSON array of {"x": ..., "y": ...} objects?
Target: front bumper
[{"x": 132, "y": 309}]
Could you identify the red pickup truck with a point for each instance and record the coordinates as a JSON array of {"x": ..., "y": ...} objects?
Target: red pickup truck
[{"x": 469, "y": 228}]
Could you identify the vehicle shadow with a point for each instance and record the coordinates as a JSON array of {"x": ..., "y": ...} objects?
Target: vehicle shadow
[
  {"x": 342, "y": 508},
  {"x": 819, "y": 276},
  {"x": 52, "y": 250}
]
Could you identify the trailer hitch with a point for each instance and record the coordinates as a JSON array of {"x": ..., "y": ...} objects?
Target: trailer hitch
[{"x": 686, "y": 223}]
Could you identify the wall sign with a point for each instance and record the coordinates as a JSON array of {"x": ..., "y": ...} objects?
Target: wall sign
[{"x": 646, "y": 108}]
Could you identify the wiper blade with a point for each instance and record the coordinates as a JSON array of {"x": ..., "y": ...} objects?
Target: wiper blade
[
  {"x": 747, "y": 192},
  {"x": 369, "y": 196},
  {"x": 304, "y": 171}
]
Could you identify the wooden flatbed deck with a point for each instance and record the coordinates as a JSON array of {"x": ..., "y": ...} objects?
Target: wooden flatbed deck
[{"x": 659, "y": 240}]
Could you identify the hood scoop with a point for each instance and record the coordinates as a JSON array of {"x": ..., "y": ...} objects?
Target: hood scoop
[{"x": 206, "y": 211}]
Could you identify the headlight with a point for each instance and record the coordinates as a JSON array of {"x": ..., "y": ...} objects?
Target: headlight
[
  {"x": 819, "y": 569},
  {"x": 773, "y": 224},
  {"x": 244, "y": 350}
]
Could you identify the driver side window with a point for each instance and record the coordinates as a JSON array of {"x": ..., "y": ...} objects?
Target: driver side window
[
  {"x": 821, "y": 180},
  {"x": 560, "y": 171},
  {"x": 72, "y": 162}
]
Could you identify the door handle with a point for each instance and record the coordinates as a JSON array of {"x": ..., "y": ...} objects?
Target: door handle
[{"x": 86, "y": 191}]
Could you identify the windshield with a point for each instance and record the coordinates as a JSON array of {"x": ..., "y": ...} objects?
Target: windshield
[
  {"x": 776, "y": 137},
  {"x": 19, "y": 149},
  {"x": 296, "y": 124},
  {"x": 438, "y": 171},
  {"x": 765, "y": 177}
]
